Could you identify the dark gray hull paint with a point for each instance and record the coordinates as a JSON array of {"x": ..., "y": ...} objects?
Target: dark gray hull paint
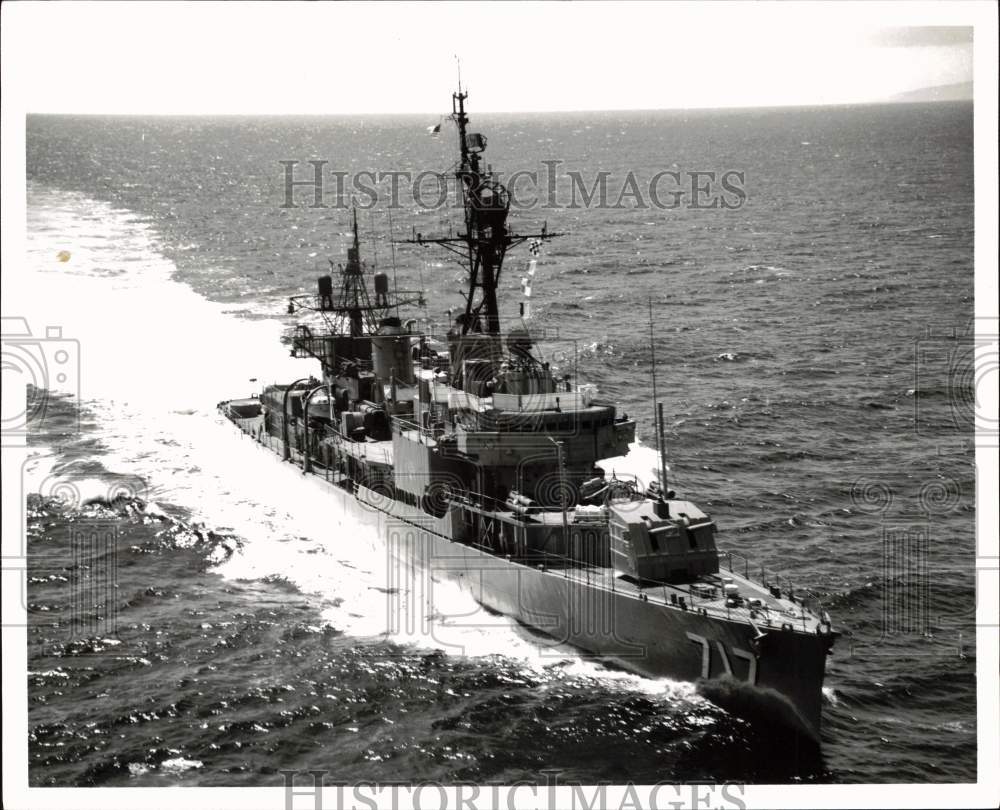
[
  {"x": 783, "y": 677},
  {"x": 779, "y": 678}
]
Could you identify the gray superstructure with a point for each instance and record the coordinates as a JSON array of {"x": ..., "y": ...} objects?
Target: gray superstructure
[{"x": 497, "y": 462}]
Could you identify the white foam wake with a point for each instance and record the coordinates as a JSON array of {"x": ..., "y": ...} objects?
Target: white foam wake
[{"x": 155, "y": 358}]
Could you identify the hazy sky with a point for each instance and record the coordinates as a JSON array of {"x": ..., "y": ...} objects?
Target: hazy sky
[{"x": 348, "y": 58}]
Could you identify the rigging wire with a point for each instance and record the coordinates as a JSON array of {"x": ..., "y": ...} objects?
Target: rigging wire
[
  {"x": 652, "y": 362},
  {"x": 392, "y": 247}
]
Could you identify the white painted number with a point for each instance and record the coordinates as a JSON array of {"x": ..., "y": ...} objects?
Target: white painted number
[{"x": 706, "y": 658}]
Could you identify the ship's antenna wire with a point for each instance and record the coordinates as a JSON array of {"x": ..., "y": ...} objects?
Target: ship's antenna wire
[
  {"x": 371, "y": 218},
  {"x": 657, "y": 418},
  {"x": 392, "y": 247},
  {"x": 423, "y": 289}
]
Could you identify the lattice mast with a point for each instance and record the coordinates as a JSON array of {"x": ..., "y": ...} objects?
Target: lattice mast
[
  {"x": 354, "y": 300},
  {"x": 353, "y": 312},
  {"x": 487, "y": 237}
]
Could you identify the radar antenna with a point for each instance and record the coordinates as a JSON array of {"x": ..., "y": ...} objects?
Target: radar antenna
[{"x": 487, "y": 237}]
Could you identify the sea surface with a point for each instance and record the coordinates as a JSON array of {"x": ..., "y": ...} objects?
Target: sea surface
[{"x": 201, "y": 615}]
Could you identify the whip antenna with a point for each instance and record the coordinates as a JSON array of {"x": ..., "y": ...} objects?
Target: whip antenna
[
  {"x": 392, "y": 247},
  {"x": 657, "y": 409}
]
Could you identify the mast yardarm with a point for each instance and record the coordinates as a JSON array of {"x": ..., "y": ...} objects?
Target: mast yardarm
[{"x": 487, "y": 238}]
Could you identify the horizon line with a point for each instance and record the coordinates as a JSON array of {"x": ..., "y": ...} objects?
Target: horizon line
[{"x": 257, "y": 114}]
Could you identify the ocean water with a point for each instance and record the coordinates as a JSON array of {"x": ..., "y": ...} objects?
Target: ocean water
[{"x": 815, "y": 352}]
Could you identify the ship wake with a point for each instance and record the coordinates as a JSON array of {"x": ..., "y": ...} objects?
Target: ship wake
[{"x": 152, "y": 382}]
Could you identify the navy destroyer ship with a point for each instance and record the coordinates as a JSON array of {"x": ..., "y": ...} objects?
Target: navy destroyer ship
[{"x": 499, "y": 463}]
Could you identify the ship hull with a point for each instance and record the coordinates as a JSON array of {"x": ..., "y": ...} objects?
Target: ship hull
[{"x": 775, "y": 677}]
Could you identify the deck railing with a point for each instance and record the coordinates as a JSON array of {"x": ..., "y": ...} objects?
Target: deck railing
[
  {"x": 737, "y": 562},
  {"x": 684, "y": 596},
  {"x": 424, "y": 435},
  {"x": 680, "y": 596}
]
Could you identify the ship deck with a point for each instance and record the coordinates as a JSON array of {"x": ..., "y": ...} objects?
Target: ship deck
[
  {"x": 771, "y": 612},
  {"x": 370, "y": 451}
]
